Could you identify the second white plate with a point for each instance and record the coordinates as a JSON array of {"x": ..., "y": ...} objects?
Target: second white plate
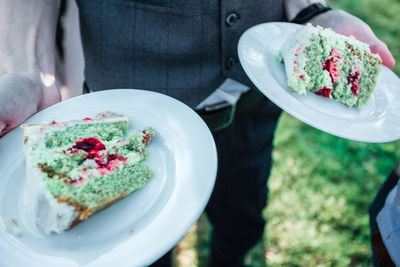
[{"x": 378, "y": 121}]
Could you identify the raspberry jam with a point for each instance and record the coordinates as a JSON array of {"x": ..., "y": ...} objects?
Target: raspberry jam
[
  {"x": 325, "y": 92},
  {"x": 89, "y": 144},
  {"x": 147, "y": 137},
  {"x": 331, "y": 65},
  {"x": 75, "y": 182},
  {"x": 106, "y": 163},
  {"x": 353, "y": 80},
  {"x": 96, "y": 151}
]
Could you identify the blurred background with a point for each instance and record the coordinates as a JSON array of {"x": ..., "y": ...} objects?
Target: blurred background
[{"x": 320, "y": 186}]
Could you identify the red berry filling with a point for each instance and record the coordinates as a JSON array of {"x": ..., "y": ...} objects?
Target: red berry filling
[
  {"x": 353, "y": 80},
  {"x": 331, "y": 65},
  {"x": 93, "y": 147},
  {"x": 106, "y": 163},
  {"x": 75, "y": 182},
  {"x": 325, "y": 92},
  {"x": 89, "y": 144},
  {"x": 147, "y": 137}
]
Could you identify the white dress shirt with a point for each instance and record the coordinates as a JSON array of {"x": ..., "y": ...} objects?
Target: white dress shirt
[{"x": 388, "y": 221}]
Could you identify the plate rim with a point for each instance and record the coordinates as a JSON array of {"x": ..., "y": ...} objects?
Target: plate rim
[
  {"x": 173, "y": 237},
  {"x": 296, "y": 113}
]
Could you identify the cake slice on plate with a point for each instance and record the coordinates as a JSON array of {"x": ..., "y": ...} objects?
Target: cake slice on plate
[
  {"x": 77, "y": 168},
  {"x": 332, "y": 65}
]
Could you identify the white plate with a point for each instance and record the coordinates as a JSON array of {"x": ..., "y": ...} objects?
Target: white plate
[
  {"x": 138, "y": 229},
  {"x": 378, "y": 121}
]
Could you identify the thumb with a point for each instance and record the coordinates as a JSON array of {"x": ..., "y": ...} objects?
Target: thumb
[
  {"x": 2, "y": 128},
  {"x": 381, "y": 48}
]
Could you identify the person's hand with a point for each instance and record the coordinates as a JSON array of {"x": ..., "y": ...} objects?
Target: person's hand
[
  {"x": 19, "y": 99},
  {"x": 346, "y": 24}
]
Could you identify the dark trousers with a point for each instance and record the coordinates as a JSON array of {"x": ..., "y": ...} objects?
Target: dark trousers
[
  {"x": 240, "y": 193},
  {"x": 374, "y": 209}
]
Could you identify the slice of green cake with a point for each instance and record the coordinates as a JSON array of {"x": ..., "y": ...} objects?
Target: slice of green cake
[
  {"x": 77, "y": 168},
  {"x": 332, "y": 65}
]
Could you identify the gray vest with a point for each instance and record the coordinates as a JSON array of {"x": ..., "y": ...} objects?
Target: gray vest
[{"x": 181, "y": 48}]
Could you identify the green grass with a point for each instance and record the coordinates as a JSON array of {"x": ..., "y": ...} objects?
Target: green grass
[
  {"x": 321, "y": 185},
  {"x": 320, "y": 192}
]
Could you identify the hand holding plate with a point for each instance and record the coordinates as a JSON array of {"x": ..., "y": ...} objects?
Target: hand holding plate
[{"x": 347, "y": 24}]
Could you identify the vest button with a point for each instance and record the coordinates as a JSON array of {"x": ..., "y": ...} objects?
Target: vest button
[
  {"x": 231, "y": 19},
  {"x": 230, "y": 62}
]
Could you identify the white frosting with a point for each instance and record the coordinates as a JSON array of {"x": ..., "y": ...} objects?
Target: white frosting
[
  {"x": 51, "y": 215},
  {"x": 89, "y": 163},
  {"x": 295, "y": 45},
  {"x": 38, "y": 130}
]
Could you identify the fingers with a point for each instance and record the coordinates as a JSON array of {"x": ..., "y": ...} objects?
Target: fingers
[
  {"x": 365, "y": 34},
  {"x": 2, "y": 128},
  {"x": 346, "y": 24},
  {"x": 381, "y": 48}
]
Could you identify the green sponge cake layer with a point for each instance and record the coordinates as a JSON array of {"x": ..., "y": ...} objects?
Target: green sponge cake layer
[
  {"x": 104, "y": 131},
  {"x": 87, "y": 176},
  {"x": 87, "y": 164},
  {"x": 320, "y": 61}
]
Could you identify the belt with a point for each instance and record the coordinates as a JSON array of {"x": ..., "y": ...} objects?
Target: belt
[
  {"x": 380, "y": 250},
  {"x": 221, "y": 115}
]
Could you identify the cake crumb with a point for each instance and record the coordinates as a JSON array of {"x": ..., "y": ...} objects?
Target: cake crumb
[
  {"x": 14, "y": 227},
  {"x": 279, "y": 58}
]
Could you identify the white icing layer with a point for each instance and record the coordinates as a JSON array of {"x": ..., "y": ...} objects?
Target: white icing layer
[
  {"x": 293, "y": 52},
  {"x": 38, "y": 130},
  {"x": 51, "y": 215}
]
